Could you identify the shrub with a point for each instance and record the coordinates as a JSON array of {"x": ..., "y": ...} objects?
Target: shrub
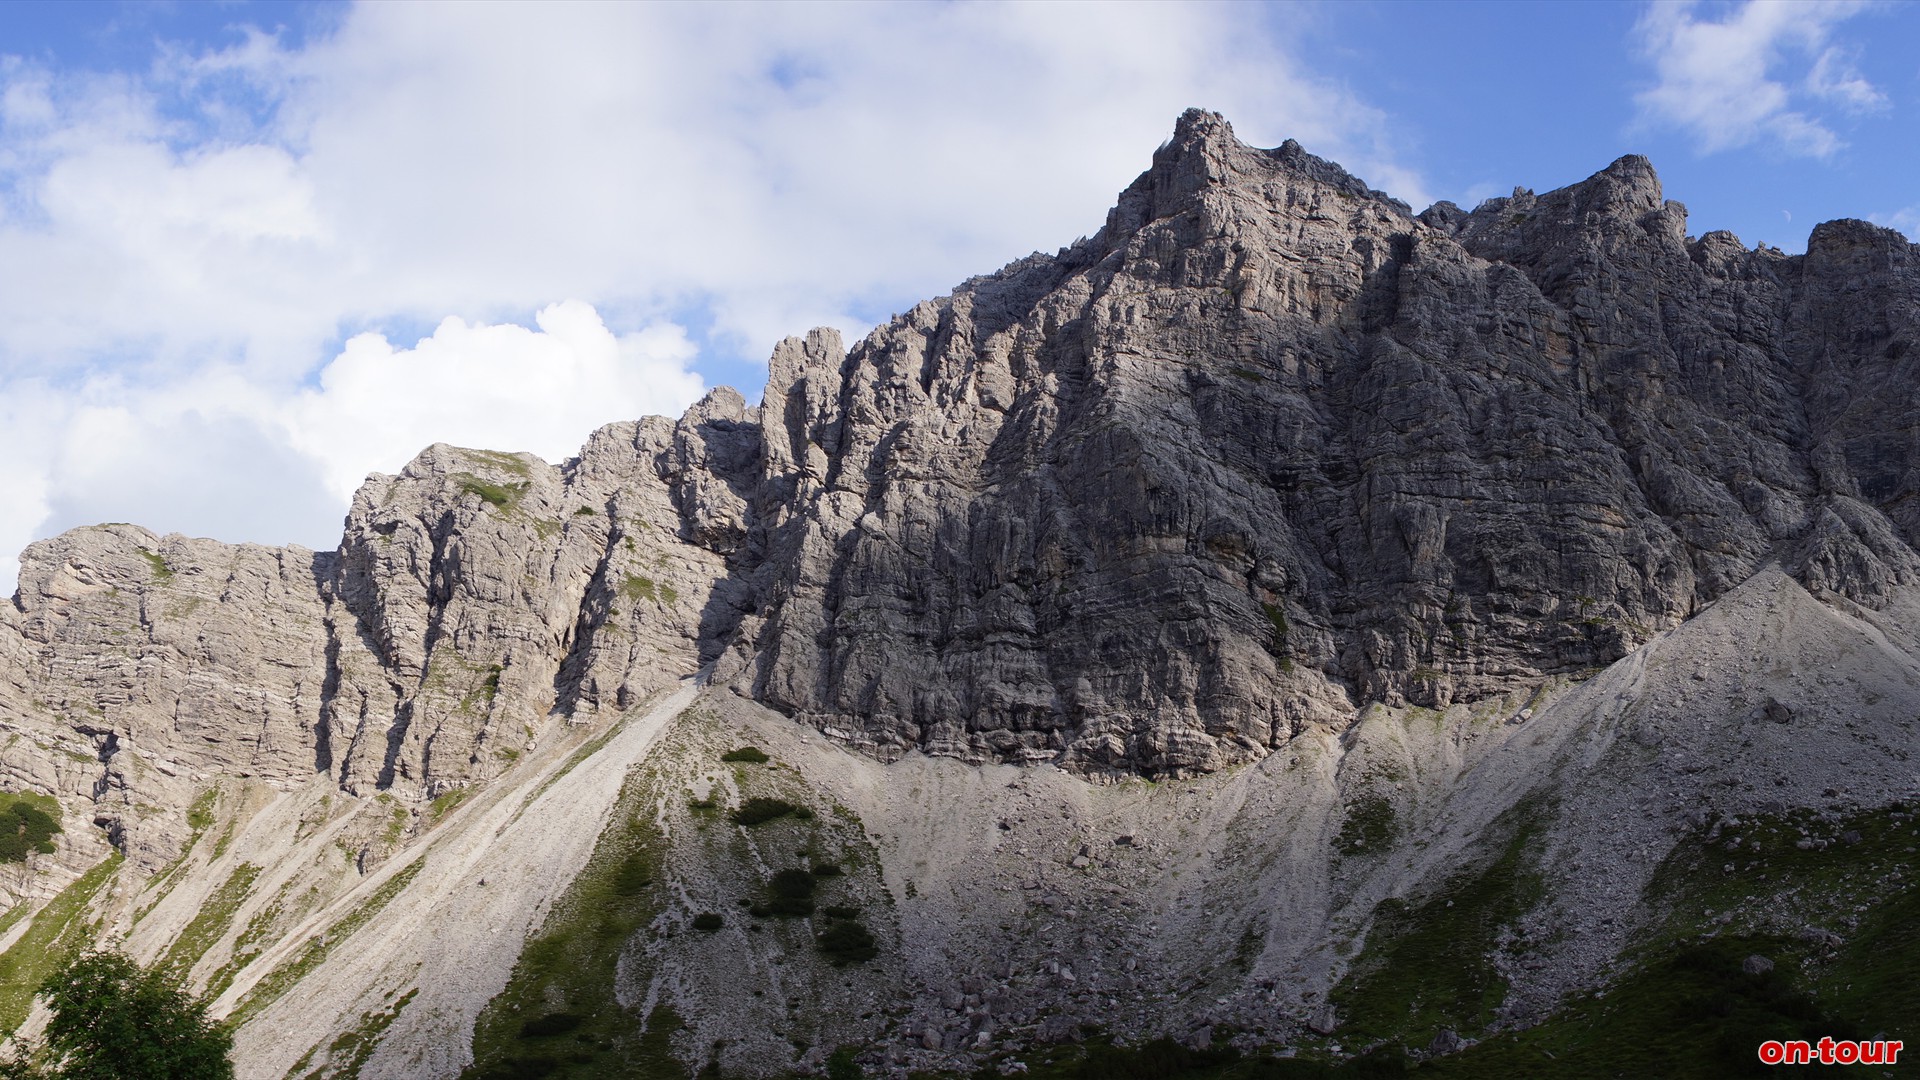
[
  {"x": 826, "y": 870},
  {"x": 756, "y": 811},
  {"x": 752, "y": 754},
  {"x": 791, "y": 896},
  {"x": 840, "y": 912},
  {"x": 793, "y": 883},
  {"x": 707, "y": 922},
  {"x": 24, "y": 829},
  {"x": 847, "y": 943},
  {"x": 112, "y": 1018}
]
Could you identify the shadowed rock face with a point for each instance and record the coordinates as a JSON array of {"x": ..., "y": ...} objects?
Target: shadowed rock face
[{"x": 1264, "y": 450}]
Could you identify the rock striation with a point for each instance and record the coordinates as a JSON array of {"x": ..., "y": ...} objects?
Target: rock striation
[{"x": 1267, "y": 449}]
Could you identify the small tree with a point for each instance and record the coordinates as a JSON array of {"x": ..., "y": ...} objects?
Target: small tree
[{"x": 113, "y": 1020}]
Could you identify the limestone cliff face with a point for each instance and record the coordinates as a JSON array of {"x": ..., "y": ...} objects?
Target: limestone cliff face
[{"x": 1266, "y": 449}]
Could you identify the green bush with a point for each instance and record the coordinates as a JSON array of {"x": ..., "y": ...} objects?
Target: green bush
[
  {"x": 847, "y": 943},
  {"x": 707, "y": 922},
  {"x": 25, "y": 829},
  {"x": 838, "y": 911},
  {"x": 827, "y": 870},
  {"x": 758, "y": 811},
  {"x": 113, "y": 1019},
  {"x": 790, "y": 896},
  {"x": 792, "y": 883},
  {"x": 752, "y": 754}
]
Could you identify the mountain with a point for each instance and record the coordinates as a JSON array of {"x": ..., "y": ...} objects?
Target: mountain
[{"x": 1279, "y": 619}]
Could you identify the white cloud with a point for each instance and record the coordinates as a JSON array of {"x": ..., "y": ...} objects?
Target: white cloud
[
  {"x": 1724, "y": 81},
  {"x": 503, "y": 387},
  {"x": 187, "y": 243},
  {"x": 1907, "y": 221},
  {"x": 218, "y": 452}
]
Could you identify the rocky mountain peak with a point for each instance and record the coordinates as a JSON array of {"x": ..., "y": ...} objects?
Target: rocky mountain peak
[{"x": 1266, "y": 451}]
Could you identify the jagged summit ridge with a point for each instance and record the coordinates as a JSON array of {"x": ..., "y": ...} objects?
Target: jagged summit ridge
[{"x": 1266, "y": 449}]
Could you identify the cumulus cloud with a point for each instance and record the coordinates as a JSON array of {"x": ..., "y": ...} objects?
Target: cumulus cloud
[
  {"x": 504, "y": 387},
  {"x": 1730, "y": 82},
  {"x": 189, "y": 243},
  {"x": 219, "y": 453}
]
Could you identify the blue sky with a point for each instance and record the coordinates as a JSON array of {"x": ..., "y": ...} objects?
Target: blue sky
[{"x": 250, "y": 252}]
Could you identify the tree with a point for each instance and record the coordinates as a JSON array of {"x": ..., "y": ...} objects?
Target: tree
[{"x": 113, "y": 1020}]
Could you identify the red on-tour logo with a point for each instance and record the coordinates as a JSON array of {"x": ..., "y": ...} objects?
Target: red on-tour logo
[{"x": 1830, "y": 1051}]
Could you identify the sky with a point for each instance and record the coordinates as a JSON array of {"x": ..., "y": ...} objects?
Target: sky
[{"x": 251, "y": 252}]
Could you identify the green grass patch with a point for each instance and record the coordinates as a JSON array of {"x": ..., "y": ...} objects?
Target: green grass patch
[
  {"x": 445, "y": 802},
  {"x": 162, "y": 573},
  {"x": 349, "y": 1052},
  {"x": 499, "y": 460},
  {"x": 397, "y": 821},
  {"x": 501, "y": 496},
  {"x": 480, "y": 698},
  {"x": 636, "y": 587},
  {"x": 200, "y": 814},
  {"x": 246, "y": 948},
  {"x": 200, "y": 818},
  {"x": 1428, "y": 964},
  {"x": 1367, "y": 826},
  {"x": 281, "y": 979},
  {"x": 1277, "y": 639},
  {"x": 750, "y": 754},
  {"x": 1798, "y": 878},
  {"x": 210, "y": 922},
  {"x": 558, "y": 1015},
  {"x": 1692, "y": 1013},
  {"x": 56, "y": 931},
  {"x": 708, "y": 922}
]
